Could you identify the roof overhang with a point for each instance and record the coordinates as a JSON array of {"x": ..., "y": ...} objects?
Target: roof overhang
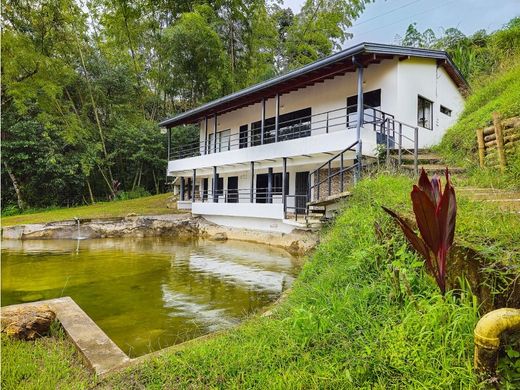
[{"x": 316, "y": 72}]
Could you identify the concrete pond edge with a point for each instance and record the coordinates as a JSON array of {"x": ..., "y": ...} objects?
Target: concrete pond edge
[{"x": 184, "y": 226}]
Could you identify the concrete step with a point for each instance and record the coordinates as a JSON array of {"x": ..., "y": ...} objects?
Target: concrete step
[
  {"x": 329, "y": 199},
  {"x": 506, "y": 200},
  {"x": 429, "y": 158},
  {"x": 434, "y": 168}
]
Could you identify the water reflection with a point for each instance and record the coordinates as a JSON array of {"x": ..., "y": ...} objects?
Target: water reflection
[{"x": 152, "y": 292}]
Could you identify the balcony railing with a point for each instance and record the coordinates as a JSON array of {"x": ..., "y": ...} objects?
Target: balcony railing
[{"x": 320, "y": 123}]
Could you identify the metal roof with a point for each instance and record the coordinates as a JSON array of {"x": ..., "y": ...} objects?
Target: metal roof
[{"x": 268, "y": 86}]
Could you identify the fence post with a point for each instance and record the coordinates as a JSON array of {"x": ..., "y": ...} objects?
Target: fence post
[
  {"x": 341, "y": 187},
  {"x": 400, "y": 144},
  {"x": 481, "y": 147},
  {"x": 500, "y": 141},
  {"x": 416, "y": 150},
  {"x": 329, "y": 181},
  {"x": 327, "y": 126},
  {"x": 387, "y": 132}
]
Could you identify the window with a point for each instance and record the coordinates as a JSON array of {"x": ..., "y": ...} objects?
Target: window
[
  {"x": 295, "y": 124},
  {"x": 446, "y": 111},
  {"x": 224, "y": 140},
  {"x": 424, "y": 113},
  {"x": 243, "y": 136},
  {"x": 370, "y": 99}
]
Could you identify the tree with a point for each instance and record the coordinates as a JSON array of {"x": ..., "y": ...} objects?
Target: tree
[
  {"x": 197, "y": 59},
  {"x": 319, "y": 28}
]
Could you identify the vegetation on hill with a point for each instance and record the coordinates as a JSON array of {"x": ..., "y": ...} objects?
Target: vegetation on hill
[
  {"x": 85, "y": 85},
  {"x": 491, "y": 63},
  {"x": 348, "y": 322}
]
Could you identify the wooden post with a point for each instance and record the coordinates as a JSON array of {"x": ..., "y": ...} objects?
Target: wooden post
[
  {"x": 500, "y": 141},
  {"x": 481, "y": 147}
]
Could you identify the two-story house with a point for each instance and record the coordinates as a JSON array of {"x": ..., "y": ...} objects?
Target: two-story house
[{"x": 266, "y": 152}]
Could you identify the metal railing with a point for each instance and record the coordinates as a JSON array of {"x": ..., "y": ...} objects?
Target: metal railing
[
  {"x": 395, "y": 138},
  {"x": 320, "y": 123},
  {"x": 315, "y": 179},
  {"x": 241, "y": 195}
]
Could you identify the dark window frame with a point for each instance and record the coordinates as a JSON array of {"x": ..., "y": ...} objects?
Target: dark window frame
[
  {"x": 422, "y": 103},
  {"x": 374, "y": 95},
  {"x": 445, "y": 110}
]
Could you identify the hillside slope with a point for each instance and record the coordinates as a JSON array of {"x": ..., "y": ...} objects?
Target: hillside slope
[{"x": 497, "y": 93}]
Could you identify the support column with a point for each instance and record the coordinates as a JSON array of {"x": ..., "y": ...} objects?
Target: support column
[
  {"x": 206, "y": 136},
  {"x": 276, "y": 117},
  {"x": 215, "y": 135},
  {"x": 284, "y": 184},
  {"x": 360, "y": 116},
  {"x": 215, "y": 185},
  {"x": 262, "y": 123},
  {"x": 193, "y": 193},
  {"x": 169, "y": 135},
  {"x": 252, "y": 186},
  {"x": 270, "y": 185},
  {"x": 182, "y": 188}
]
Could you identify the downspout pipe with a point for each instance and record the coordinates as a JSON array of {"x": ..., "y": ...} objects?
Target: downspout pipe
[
  {"x": 487, "y": 337},
  {"x": 360, "y": 115}
]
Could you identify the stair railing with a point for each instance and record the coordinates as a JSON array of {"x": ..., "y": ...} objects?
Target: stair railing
[
  {"x": 388, "y": 128},
  {"x": 315, "y": 180}
]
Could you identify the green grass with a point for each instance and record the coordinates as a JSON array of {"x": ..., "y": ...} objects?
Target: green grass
[
  {"x": 47, "y": 363},
  {"x": 149, "y": 205},
  {"x": 346, "y": 323},
  {"x": 497, "y": 93},
  {"x": 343, "y": 325}
]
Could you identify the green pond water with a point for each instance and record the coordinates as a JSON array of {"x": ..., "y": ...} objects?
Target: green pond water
[{"x": 148, "y": 293}]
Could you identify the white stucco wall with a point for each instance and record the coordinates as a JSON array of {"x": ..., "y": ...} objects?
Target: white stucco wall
[
  {"x": 419, "y": 76},
  {"x": 401, "y": 82}
]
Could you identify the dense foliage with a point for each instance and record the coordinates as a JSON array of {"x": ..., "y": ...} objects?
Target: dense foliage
[
  {"x": 85, "y": 84},
  {"x": 477, "y": 55},
  {"x": 491, "y": 64}
]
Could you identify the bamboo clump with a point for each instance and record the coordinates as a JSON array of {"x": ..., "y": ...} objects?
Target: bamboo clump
[{"x": 496, "y": 141}]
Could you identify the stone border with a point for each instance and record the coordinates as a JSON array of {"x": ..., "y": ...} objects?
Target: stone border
[{"x": 100, "y": 353}]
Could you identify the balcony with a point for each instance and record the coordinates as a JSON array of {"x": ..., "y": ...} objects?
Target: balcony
[{"x": 256, "y": 135}]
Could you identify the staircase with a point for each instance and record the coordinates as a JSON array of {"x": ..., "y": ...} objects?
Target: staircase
[
  {"x": 426, "y": 159},
  {"x": 507, "y": 201}
]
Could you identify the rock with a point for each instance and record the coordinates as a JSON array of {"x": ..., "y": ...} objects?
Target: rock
[
  {"x": 27, "y": 322},
  {"x": 171, "y": 202},
  {"x": 220, "y": 236}
]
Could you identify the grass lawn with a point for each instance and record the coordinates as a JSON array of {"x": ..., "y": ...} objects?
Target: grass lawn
[
  {"x": 46, "y": 363},
  {"x": 148, "y": 205},
  {"x": 346, "y": 322}
]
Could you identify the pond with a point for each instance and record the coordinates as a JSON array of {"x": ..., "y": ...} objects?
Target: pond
[{"x": 149, "y": 293}]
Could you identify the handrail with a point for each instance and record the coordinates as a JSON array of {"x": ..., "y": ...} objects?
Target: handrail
[
  {"x": 328, "y": 179},
  {"x": 332, "y": 120}
]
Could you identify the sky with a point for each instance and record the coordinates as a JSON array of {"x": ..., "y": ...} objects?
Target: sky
[{"x": 382, "y": 20}]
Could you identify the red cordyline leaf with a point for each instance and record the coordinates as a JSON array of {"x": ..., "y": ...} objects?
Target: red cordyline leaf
[
  {"x": 435, "y": 213},
  {"x": 424, "y": 210},
  {"x": 416, "y": 241}
]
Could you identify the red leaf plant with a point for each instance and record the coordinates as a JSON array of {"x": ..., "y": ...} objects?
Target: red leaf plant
[{"x": 435, "y": 213}]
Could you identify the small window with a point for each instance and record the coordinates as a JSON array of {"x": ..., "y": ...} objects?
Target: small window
[
  {"x": 445, "y": 110},
  {"x": 424, "y": 113}
]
